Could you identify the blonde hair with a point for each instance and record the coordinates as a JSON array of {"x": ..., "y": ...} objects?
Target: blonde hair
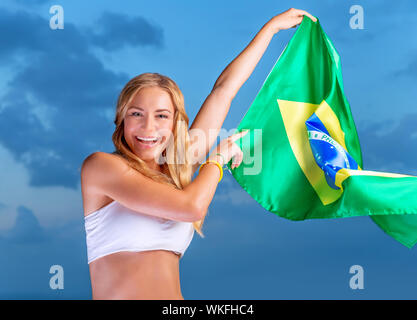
[{"x": 177, "y": 152}]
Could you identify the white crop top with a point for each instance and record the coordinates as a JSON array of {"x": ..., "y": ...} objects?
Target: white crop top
[{"x": 115, "y": 228}]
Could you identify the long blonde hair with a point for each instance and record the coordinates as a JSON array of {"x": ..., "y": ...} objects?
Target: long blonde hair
[{"x": 177, "y": 155}]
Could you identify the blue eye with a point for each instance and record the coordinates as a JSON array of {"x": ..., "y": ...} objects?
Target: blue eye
[{"x": 136, "y": 113}]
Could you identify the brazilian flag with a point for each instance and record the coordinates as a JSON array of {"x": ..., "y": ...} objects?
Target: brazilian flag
[{"x": 302, "y": 157}]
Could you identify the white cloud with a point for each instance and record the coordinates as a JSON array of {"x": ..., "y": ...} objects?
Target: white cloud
[{"x": 53, "y": 206}]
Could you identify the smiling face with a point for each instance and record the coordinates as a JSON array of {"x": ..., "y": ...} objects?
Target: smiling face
[{"x": 148, "y": 123}]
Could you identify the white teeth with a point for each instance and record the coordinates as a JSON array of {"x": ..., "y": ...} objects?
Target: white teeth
[{"x": 147, "y": 139}]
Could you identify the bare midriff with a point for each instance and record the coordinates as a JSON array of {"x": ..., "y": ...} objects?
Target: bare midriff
[{"x": 145, "y": 275}]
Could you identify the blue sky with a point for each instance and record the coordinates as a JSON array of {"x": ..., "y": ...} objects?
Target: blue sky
[{"x": 59, "y": 90}]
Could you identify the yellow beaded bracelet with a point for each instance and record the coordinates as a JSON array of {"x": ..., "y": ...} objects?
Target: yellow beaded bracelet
[{"x": 217, "y": 164}]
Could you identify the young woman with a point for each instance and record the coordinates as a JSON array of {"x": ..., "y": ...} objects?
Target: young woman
[{"x": 140, "y": 205}]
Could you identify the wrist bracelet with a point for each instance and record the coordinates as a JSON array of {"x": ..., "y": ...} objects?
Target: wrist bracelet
[{"x": 217, "y": 164}]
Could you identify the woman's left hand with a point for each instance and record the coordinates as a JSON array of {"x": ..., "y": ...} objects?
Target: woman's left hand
[{"x": 288, "y": 19}]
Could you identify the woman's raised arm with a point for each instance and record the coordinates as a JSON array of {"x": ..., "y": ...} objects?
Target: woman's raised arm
[{"x": 210, "y": 118}]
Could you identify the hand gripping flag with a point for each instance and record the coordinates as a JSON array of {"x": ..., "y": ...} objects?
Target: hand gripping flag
[{"x": 302, "y": 158}]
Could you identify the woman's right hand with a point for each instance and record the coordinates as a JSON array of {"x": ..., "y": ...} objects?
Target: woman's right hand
[{"x": 229, "y": 149}]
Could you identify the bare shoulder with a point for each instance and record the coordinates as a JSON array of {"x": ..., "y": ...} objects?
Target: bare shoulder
[
  {"x": 96, "y": 169},
  {"x": 109, "y": 177},
  {"x": 100, "y": 157},
  {"x": 99, "y": 168},
  {"x": 99, "y": 162}
]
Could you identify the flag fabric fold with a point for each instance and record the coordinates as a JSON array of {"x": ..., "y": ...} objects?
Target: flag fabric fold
[{"x": 302, "y": 156}]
